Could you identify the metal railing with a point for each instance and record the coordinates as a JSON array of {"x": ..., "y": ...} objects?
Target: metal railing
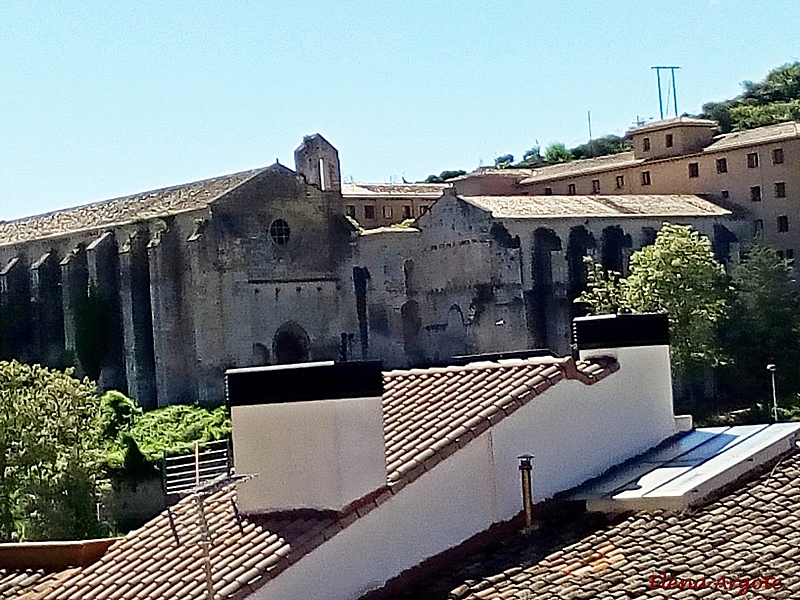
[{"x": 182, "y": 475}]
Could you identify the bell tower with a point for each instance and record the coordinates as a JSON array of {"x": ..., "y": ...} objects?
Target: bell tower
[{"x": 318, "y": 161}]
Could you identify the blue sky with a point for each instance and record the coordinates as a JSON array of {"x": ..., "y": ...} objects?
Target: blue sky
[{"x": 105, "y": 98}]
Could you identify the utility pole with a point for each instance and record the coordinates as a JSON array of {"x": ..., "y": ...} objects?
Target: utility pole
[{"x": 674, "y": 91}]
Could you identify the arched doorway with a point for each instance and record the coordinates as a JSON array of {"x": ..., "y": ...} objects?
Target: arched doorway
[{"x": 290, "y": 344}]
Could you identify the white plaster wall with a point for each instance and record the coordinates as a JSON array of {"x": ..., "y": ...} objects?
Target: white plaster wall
[
  {"x": 442, "y": 508},
  {"x": 320, "y": 454},
  {"x": 575, "y": 432}
]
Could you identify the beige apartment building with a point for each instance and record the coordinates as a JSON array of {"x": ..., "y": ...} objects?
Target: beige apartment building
[
  {"x": 383, "y": 204},
  {"x": 754, "y": 172}
]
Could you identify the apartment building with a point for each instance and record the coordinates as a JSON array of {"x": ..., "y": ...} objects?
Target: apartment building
[
  {"x": 383, "y": 204},
  {"x": 756, "y": 172}
]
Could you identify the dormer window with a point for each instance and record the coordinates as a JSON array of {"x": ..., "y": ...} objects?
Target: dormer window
[
  {"x": 668, "y": 141},
  {"x": 646, "y": 144}
]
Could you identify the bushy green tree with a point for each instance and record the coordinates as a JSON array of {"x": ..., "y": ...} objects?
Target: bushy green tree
[
  {"x": 557, "y": 153},
  {"x": 602, "y": 146},
  {"x": 679, "y": 275},
  {"x": 764, "y": 324},
  {"x": 774, "y": 99},
  {"x": 504, "y": 161},
  {"x": 49, "y": 454},
  {"x": 444, "y": 176}
]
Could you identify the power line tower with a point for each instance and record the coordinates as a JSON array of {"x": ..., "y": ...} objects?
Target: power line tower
[{"x": 674, "y": 92}]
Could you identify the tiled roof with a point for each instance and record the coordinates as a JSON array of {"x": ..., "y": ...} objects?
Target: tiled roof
[
  {"x": 14, "y": 582},
  {"x": 760, "y": 135},
  {"x": 583, "y": 166},
  {"x": 672, "y": 122},
  {"x": 753, "y": 532},
  {"x": 119, "y": 211},
  {"x": 427, "y": 190},
  {"x": 429, "y": 414},
  {"x": 638, "y": 205}
]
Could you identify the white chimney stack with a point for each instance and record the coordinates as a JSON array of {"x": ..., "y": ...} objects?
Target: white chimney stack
[{"x": 311, "y": 433}]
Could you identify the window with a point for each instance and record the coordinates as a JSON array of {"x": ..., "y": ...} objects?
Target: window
[
  {"x": 790, "y": 253},
  {"x": 407, "y": 214},
  {"x": 571, "y": 189},
  {"x": 780, "y": 254},
  {"x": 369, "y": 211},
  {"x": 548, "y": 191},
  {"x": 777, "y": 156},
  {"x": 725, "y": 194},
  {"x": 722, "y": 165},
  {"x": 351, "y": 210},
  {"x": 595, "y": 186},
  {"x": 668, "y": 141},
  {"x": 387, "y": 212},
  {"x": 694, "y": 170},
  {"x": 752, "y": 160},
  {"x": 755, "y": 193},
  {"x": 758, "y": 227},
  {"x": 783, "y": 224},
  {"x": 780, "y": 189},
  {"x": 279, "y": 232},
  {"x": 620, "y": 181},
  {"x": 423, "y": 208},
  {"x": 645, "y": 177},
  {"x": 646, "y": 144}
]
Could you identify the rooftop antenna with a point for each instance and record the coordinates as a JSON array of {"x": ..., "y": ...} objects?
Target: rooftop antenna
[
  {"x": 208, "y": 468},
  {"x": 591, "y": 150},
  {"x": 674, "y": 93}
]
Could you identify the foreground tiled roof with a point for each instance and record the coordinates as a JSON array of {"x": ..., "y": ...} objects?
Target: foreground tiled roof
[
  {"x": 429, "y": 414},
  {"x": 119, "y": 211},
  {"x": 14, "y": 582},
  {"x": 635, "y": 205},
  {"x": 754, "y": 532}
]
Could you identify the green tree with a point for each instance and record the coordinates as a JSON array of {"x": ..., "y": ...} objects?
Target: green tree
[
  {"x": 602, "y": 146},
  {"x": 679, "y": 275},
  {"x": 764, "y": 323},
  {"x": 557, "y": 153},
  {"x": 504, "y": 161},
  {"x": 49, "y": 454},
  {"x": 444, "y": 176}
]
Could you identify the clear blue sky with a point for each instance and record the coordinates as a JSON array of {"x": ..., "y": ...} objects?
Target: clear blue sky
[{"x": 105, "y": 98}]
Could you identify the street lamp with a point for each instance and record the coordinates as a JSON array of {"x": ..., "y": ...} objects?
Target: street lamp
[{"x": 772, "y": 368}]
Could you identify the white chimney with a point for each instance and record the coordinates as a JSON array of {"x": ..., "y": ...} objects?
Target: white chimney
[
  {"x": 640, "y": 344},
  {"x": 311, "y": 433}
]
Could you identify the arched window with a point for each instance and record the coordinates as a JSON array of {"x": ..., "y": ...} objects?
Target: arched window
[
  {"x": 290, "y": 344},
  {"x": 279, "y": 232}
]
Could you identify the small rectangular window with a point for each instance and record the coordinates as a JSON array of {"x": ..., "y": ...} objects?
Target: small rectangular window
[
  {"x": 780, "y": 254},
  {"x": 668, "y": 141},
  {"x": 571, "y": 189},
  {"x": 595, "y": 186},
  {"x": 423, "y": 208},
  {"x": 620, "y": 182},
  {"x": 645, "y": 177},
  {"x": 725, "y": 194},
  {"x": 790, "y": 253},
  {"x": 369, "y": 211},
  {"x": 783, "y": 224},
  {"x": 758, "y": 227},
  {"x": 780, "y": 189},
  {"x": 387, "y": 212},
  {"x": 694, "y": 170},
  {"x": 407, "y": 212},
  {"x": 548, "y": 191},
  {"x": 777, "y": 156},
  {"x": 755, "y": 193},
  {"x": 646, "y": 144},
  {"x": 722, "y": 165},
  {"x": 752, "y": 160},
  {"x": 351, "y": 210}
]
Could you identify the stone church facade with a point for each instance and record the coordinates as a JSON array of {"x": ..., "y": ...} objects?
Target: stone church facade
[{"x": 158, "y": 293}]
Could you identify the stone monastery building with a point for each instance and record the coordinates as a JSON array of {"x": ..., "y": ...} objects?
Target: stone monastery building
[{"x": 157, "y": 294}]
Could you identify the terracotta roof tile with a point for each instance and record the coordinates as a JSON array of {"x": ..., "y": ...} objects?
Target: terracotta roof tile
[
  {"x": 753, "y": 532},
  {"x": 429, "y": 414}
]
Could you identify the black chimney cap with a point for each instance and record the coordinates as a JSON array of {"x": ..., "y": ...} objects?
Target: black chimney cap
[
  {"x": 303, "y": 382},
  {"x": 620, "y": 331}
]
